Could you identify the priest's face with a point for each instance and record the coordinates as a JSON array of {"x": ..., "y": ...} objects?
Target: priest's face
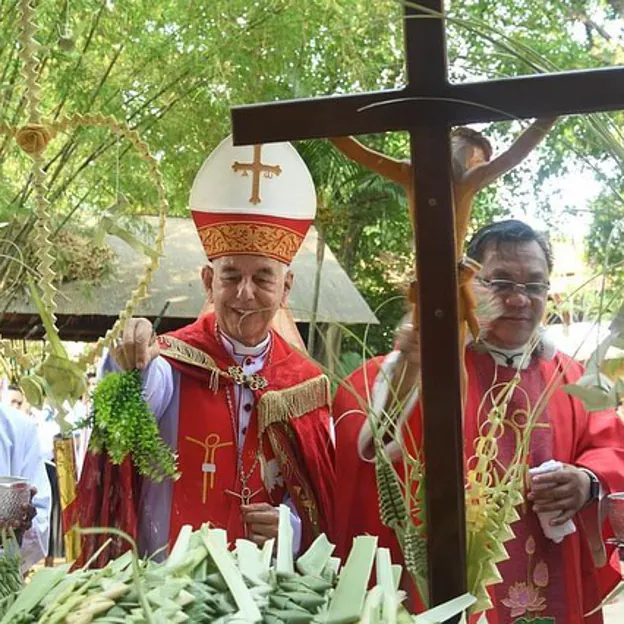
[
  {"x": 514, "y": 281},
  {"x": 246, "y": 292}
]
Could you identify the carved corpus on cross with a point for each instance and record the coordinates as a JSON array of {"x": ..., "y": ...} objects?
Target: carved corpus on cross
[
  {"x": 256, "y": 167},
  {"x": 427, "y": 107}
]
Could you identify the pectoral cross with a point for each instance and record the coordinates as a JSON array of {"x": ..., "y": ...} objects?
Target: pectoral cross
[
  {"x": 257, "y": 167},
  {"x": 246, "y": 495},
  {"x": 209, "y": 468}
]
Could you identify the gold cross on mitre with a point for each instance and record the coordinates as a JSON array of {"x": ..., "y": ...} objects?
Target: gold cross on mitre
[{"x": 256, "y": 167}]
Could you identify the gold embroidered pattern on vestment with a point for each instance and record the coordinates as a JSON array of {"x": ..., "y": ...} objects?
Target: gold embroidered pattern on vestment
[
  {"x": 178, "y": 350},
  {"x": 304, "y": 498},
  {"x": 253, "y": 382}
]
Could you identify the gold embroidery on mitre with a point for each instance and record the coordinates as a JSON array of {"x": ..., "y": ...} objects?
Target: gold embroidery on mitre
[
  {"x": 256, "y": 167},
  {"x": 274, "y": 241},
  {"x": 283, "y": 405}
]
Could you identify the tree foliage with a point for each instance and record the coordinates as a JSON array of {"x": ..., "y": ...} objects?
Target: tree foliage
[{"x": 172, "y": 70}]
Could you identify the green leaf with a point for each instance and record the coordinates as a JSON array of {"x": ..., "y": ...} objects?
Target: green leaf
[
  {"x": 445, "y": 611},
  {"x": 33, "y": 387},
  {"x": 348, "y": 599},
  {"x": 594, "y": 398},
  {"x": 108, "y": 226},
  {"x": 314, "y": 560},
  {"x": 227, "y": 567},
  {"x": 65, "y": 379},
  {"x": 46, "y": 318},
  {"x": 609, "y": 599},
  {"x": 40, "y": 584}
]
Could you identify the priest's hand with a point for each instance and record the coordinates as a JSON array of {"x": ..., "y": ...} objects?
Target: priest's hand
[
  {"x": 262, "y": 521},
  {"x": 565, "y": 491},
  {"x": 408, "y": 344},
  {"x": 138, "y": 346},
  {"x": 406, "y": 374}
]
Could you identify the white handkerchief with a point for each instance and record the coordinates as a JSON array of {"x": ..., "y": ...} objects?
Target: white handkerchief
[{"x": 555, "y": 533}]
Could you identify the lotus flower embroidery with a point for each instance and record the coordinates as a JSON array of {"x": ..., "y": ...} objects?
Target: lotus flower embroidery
[{"x": 522, "y": 598}]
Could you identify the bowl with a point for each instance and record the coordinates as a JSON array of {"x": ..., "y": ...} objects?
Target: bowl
[
  {"x": 615, "y": 509},
  {"x": 14, "y": 492}
]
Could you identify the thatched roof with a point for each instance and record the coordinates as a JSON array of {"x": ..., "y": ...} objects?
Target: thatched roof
[{"x": 84, "y": 311}]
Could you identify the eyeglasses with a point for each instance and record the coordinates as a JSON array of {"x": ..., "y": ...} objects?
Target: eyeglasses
[{"x": 505, "y": 287}]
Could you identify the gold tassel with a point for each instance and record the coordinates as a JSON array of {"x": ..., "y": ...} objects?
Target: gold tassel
[{"x": 283, "y": 405}]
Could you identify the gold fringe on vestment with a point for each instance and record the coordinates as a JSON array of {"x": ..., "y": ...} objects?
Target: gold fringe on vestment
[{"x": 283, "y": 405}]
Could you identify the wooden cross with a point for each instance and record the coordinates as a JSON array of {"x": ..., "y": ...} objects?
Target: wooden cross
[
  {"x": 426, "y": 107},
  {"x": 257, "y": 167}
]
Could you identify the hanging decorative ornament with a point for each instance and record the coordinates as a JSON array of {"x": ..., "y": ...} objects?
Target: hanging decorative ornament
[
  {"x": 66, "y": 41},
  {"x": 59, "y": 380}
]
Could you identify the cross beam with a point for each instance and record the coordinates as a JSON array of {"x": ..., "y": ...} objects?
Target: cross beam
[
  {"x": 426, "y": 108},
  {"x": 455, "y": 104}
]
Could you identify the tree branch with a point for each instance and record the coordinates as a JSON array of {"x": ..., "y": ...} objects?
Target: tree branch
[{"x": 69, "y": 83}]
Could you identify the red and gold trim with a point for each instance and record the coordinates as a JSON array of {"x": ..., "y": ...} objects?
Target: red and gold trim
[{"x": 230, "y": 235}]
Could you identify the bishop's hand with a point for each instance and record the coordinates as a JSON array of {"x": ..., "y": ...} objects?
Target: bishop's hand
[
  {"x": 138, "y": 346},
  {"x": 262, "y": 521}
]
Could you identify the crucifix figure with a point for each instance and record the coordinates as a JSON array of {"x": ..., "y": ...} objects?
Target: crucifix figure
[
  {"x": 473, "y": 167},
  {"x": 428, "y": 106},
  {"x": 210, "y": 445},
  {"x": 257, "y": 167},
  {"x": 246, "y": 495}
]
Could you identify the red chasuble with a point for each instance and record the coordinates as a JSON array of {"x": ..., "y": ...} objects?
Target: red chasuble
[
  {"x": 543, "y": 582},
  {"x": 287, "y": 446}
]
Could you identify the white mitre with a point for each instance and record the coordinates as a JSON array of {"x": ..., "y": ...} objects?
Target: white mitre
[{"x": 256, "y": 200}]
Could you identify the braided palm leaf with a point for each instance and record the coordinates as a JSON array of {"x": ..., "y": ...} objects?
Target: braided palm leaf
[
  {"x": 391, "y": 502},
  {"x": 415, "y": 550}
]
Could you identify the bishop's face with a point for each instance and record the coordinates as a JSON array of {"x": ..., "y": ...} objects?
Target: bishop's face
[
  {"x": 514, "y": 280},
  {"x": 246, "y": 292}
]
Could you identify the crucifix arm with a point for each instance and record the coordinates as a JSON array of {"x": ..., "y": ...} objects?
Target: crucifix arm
[
  {"x": 481, "y": 176},
  {"x": 396, "y": 170}
]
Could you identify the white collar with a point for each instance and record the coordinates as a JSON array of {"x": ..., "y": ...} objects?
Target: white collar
[
  {"x": 236, "y": 348},
  {"x": 545, "y": 349}
]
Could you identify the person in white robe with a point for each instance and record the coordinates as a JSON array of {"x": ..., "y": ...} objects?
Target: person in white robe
[{"x": 20, "y": 456}]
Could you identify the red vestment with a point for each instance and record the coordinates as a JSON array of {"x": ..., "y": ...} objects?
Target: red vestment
[
  {"x": 290, "y": 424},
  {"x": 558, "y": 583}
]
